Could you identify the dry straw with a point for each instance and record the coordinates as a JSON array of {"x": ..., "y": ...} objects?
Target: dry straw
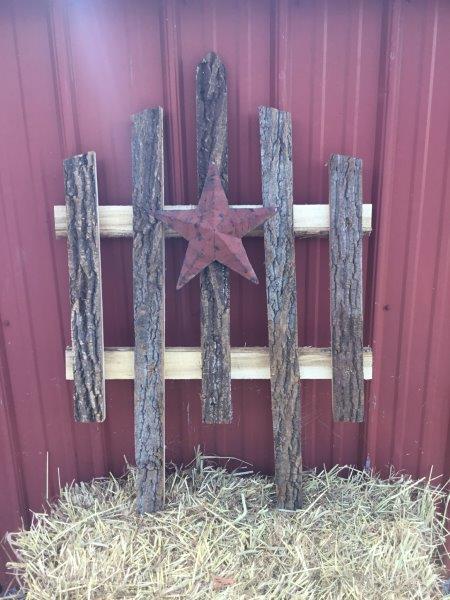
[{"x": 220, "y": 537}]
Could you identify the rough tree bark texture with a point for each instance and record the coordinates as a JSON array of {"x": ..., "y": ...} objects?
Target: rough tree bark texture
[
  {"x": 346, "y": 287},
  {"x": 148, "y": 290},
  {"x": 211, "y": 89},
  {"x": 85, "y": 285},
  {"x": 276, "y": 167}
]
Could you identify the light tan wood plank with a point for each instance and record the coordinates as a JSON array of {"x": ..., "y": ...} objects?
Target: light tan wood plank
[
  {"x": 117, "y": 221},
  {"x": 246, "y": 363}
]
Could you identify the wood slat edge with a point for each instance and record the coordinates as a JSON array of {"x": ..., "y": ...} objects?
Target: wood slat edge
[
  {"x": 117, "y": 221},
  {"x": 246, "y": 363}
]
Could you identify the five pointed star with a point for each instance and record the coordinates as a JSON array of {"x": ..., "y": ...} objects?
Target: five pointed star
[{"x": 214, "y": 230}]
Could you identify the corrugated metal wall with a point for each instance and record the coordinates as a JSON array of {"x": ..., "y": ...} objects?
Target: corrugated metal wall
[{"x": 363, "y": 77}]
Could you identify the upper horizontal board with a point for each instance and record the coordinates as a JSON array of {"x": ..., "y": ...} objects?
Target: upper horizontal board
[{"x": 117, "y": 221}]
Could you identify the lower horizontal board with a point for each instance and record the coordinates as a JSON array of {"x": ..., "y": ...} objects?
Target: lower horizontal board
[{"x": 246, "y": 363}]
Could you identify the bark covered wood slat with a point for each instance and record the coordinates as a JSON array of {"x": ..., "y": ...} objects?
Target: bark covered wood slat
[
  {"x": 85, "y": 286},
  {"x": 212, "y": 146},
  {"x": 148, "y": 294},
  {"x": 281, "y": 290},
  {"x": 346, "y": 315}
]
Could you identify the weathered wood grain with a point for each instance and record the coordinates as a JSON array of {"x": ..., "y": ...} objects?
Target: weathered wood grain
[
  {"x": 281, "y": 289},
  {"x": 246, "y": 363},
  {"x": 85, "y": 286},
  {"x": 148, "y": 290},
  {"x": 310, "y": 220},
  {"x": 346, "y": 313},
  {"x": 212, "y": 146}
]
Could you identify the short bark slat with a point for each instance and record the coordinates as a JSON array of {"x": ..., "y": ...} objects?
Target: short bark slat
[
  {"x": 85, "y": 286},
  {"x": 212, "y": 146},
  {"x": 346, "y": 313},
  {"x": 281, "y": 290},
  {"x": 148, "y": 291}
]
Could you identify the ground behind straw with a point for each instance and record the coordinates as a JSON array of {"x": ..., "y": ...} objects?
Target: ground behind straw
[{"x": 220, "y": 537}]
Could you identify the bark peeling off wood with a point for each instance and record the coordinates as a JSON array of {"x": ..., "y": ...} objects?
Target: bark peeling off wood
[
  {"x": 148, "y": 290},
  {"x": 211, "y": 103},
  {"x": 346, "y": 287},
  {"x": 276, "y": 166},
  {"x": 85, "y": 284}
]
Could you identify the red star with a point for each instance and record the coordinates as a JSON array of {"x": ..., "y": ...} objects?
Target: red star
[{"x": 214, "y": 230}]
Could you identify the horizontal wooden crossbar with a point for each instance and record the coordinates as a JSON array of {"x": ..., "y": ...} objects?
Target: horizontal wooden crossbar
[
  {"x": 246, "y": 363},
  {"x": 117, "y": 221}
]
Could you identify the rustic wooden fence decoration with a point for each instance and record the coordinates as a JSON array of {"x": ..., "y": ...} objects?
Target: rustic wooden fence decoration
[{"x": 345, "y": 219}]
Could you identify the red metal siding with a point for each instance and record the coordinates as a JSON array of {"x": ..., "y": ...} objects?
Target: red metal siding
[{"x": 361, "y": 77}]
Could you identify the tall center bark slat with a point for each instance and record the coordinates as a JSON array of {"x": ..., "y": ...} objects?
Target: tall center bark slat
[
  {"x": 346, "y": 314},
  {"x": 85, "y": 286},
  {"x": 148, "y": 291},
  {"x": 211, "y": 97},
  {"x": 281, "y": 289}
]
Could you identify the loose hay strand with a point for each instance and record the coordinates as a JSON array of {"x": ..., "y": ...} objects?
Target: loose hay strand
[{"x": 220, "y": 536}]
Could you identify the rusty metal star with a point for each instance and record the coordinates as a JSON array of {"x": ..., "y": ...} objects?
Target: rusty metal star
[{"x": 214, "y": 230}]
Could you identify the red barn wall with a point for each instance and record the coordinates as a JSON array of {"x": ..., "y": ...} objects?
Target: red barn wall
[{"x": 361, "y": 77}]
